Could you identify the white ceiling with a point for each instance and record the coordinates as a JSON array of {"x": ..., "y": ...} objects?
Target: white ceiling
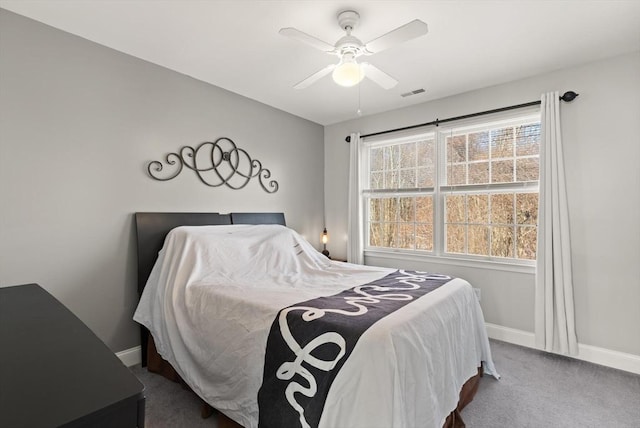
[{"x": 235, "y": 44}]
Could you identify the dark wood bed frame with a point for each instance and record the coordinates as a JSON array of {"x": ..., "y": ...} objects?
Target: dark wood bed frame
[{"x": 151, "y": 230}]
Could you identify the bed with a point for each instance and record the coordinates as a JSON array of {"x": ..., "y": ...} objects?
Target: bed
[{"x": 271, "y": 333}]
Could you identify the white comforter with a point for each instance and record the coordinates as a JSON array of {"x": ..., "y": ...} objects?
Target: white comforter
[{"x": 215, "y": 291}]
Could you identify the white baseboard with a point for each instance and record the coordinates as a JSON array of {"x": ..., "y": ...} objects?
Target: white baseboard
[
  {"x": 511, "y": 335},
  {"x": 607, "y": 357},
  {"x": 593, "y": 354},
  {"x": 130, "y": 357}
]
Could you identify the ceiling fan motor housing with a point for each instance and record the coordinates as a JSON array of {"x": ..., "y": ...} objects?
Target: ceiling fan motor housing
[
  {"x": 349, "y": 44},
  {"x": 347, "y": 19}
]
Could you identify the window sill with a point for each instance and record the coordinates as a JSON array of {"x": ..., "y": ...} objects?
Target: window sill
[{"x": 526, "y": 268}]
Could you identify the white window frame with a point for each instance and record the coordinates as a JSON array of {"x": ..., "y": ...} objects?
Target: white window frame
[{"x": 438, "y": 191}]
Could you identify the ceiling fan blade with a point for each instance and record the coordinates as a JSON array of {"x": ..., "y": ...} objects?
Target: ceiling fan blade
[
  {"x": 314, "y": 77},
  {"x": 413, "y": 29},
  {"x": 306, "y": 38},
  {"x": 378, "y": 76}
]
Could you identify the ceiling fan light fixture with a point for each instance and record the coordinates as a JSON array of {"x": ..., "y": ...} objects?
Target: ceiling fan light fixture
[{"x": 348, "y": 72}]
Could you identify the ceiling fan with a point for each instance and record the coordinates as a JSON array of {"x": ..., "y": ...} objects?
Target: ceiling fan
[{"x": 348, "y": 72}]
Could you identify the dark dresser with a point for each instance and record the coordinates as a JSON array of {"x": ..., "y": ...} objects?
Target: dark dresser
[{"x": 55, "y": 372}]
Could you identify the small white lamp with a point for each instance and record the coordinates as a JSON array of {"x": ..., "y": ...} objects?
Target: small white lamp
[{"x": 325, "y": 239}]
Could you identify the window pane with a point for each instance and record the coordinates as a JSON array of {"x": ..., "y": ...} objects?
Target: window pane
[
  {"x": 424, "y": 209},
  {"x": 376, "y": 180},
  {"x": 502, "y": 241},
  {"x": 455, "y": 238},
  {"x": 426, "y": 154},
  {"x": 457, "y": 149},
  {"x": 424, "y": 237},
  {"x": 391, "y": 179},
  {"x": 391, "y": 157},
  {"x": 502, "y": 143},
  {"x": 478, "y": 209},
  {"x": 527, "y": 240},
  {"x": 389, "y": 231},
  {"x": 456, "y": 174},
  {"x": 375, "y": 235},
  {"x": 375, "y": 210},
  {"x": 527, "y": 169},
  {"x": 389, "y": 209},
  {"x": 479, "y": 240},
  {"x": 407, "y": 179},
  {"x": 502, "y": 208},
  {"x": 407, "y": 210},
  {"x": 376, "y": 157},
  {"x": 528, "y": 140},
  {"x": 408, "y": 155},
  {"x": 527, "y": 208},
  {"x": 478, "y": 146},
  {"x": 502, "y": 171},
  {"x": 406, "y": 236},
  {"x": 479, "y": 173},
  {"x": 455, "y": 209},
  {"x": 425, "y": 177}
]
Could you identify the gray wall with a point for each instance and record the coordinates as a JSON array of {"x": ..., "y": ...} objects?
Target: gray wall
[
  {"x": 601, "y": 136},
  {"x": 78, "y": 123}
]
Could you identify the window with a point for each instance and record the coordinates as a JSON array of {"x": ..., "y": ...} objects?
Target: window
[{"x": 467, "y": 191}]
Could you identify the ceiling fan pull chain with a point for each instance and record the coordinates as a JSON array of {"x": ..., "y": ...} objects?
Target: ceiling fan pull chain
[{"x": 359, "y": 111}]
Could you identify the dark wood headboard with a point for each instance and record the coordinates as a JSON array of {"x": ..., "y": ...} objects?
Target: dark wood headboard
[{"x": 152, "y": 228}]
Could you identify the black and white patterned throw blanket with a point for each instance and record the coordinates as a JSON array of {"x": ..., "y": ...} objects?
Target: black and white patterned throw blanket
[{"x": 309, "y": 342}]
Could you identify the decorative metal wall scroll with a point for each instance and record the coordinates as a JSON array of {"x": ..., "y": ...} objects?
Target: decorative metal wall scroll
[{"x": 215, "y": 164}]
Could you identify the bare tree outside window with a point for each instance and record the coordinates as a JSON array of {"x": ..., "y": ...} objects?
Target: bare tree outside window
[{"x": 487, "y": 191}]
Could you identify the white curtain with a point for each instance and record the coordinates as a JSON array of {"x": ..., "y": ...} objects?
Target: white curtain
[
  {"x": 355, "y": 243},
  {"x": 554, "y": 311}
]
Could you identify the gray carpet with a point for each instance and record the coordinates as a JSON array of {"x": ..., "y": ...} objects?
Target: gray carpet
[{"x": 536, "y": 390}]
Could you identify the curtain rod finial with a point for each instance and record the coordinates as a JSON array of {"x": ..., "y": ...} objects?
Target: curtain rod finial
[
  {"x": 348, "y": 139},
  {"x": 569, "y": 96}
]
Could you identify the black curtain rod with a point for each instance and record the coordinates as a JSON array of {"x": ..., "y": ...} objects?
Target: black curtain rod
[{"x": 567, "y": 96}]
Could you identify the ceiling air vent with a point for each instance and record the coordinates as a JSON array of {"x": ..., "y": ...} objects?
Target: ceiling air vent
[{"x": 414, "y": 92}]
